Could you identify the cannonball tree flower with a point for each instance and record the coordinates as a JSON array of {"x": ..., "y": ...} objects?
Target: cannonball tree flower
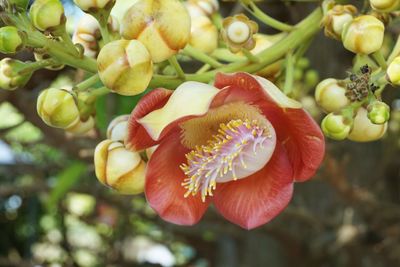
[{"x": 240, "y": 144}]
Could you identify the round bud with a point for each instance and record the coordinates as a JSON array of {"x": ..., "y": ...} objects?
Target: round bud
[
  {"x": 116, "y": 130},
  {"x": 378, "y": 112},
  {"x": 119, "y": 168},
  {"x": 10, "y": 40},
  {"x": 162, "y": 26},
  {"x": 46, "y": 14},
  {"x": 336, "y": 18},
  {"x": 331, "y": 96},
  {"x": 10, "y": 79},
  {"x": 393, "y": 71},
  {"x": 363, "y": 35},
  {"x": 364, "y": 130},
  {"x": 238, "y": 31},
  {"x": 385, "y": 5},
  {"x": 204, "y": 34},
  {"x": 58, "y": 108},
  {"x": 87, "y": 5},
  {"x": 125, "y": 67},
  {"x": 202, "y": 7},
  {"x": 335, "y": 126}
]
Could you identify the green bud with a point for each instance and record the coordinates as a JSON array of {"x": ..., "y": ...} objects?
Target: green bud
[
  {"x": 58, "y": 108},
  {"x": 378, "y": 112},
  {"x": 10, "y": 40},
  {"x": 335, "y": 126},
  {"x": 10, "y": 79},
  {"x": 46, "y": 14}
]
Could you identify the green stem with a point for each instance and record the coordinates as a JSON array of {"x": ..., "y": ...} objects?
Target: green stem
[
  {"x": 264, "y": 18},
  {"x": 217, "y": 20},
  {"x": 37, "y": 65},
  {"x": 82, "y": 86},
  {"x": 203, "y": 69},
  {"x": 95, "y": 93},
  {"x": 380, "y": 59},
  {"x": 225, "y": 55},
  {"x": 66, "y": 40},
  {"x": 178, "y": 69},
  {"x": 102, "y": 16},
  {"x": 200, "y": 56},
  {"x": 250, "y": 56},
  {"x": 289, "y": 70}
]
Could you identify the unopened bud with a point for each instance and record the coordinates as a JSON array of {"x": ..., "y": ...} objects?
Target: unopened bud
[
  {"x": 385, "y": 5},
  {"x": 363, "y": 35},
  {"x": 336, "y": 18},
  {"x": 117, "y": 128},
  {"x": 393, "y": 71},
  {"x": 204, "y": 34},
  {"x": 364, "y": 130},
  {"x": 87, "y": 5},
  {"x": 125, "y": 67},
  {"x": 330, "y": 95},
  {"x": 202, "y": 7},
  {"x": 87, "y": 34},
  {"x": 238, "y": 33},
  {"x": 119, "y": 168},
  {"x": 162, "y": 26},
  {"x": 378, "y": 112},
  {"x": 46, "y": 14},
  {"x": 336, "y": 126},
  {"x": 10, "y": 40},
  {"x": 58, "y": 108},
  {"x": 10, "y": 78}
]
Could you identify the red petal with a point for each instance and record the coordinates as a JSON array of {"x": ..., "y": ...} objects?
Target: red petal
[
  {"x": 255, "y": 200},
  {"x": 295, "y": 128},
  {"x": 163, "y": 189},
  {"x": 137, "y": 137}
]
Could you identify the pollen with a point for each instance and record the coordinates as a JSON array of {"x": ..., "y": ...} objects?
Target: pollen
[{"x": 226, "y": 156}]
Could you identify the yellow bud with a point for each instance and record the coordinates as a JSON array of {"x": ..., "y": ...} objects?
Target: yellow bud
[
  {"x": 10, "y": 79},
  {"x": 364, "y": 130},
  {"x": 57, "y": 108},
  {"x": 385, "y": 5},
  {"x": 117, "y": 128},
  {"x": 204, "y": 34},
  {"x": 119, "y": 168},
  {"x": 330, "y": 95},
  {"x": 125, "y": 67},
  {"x": 335, "y": 126},
  {"x": 202, "y": 7},
  {"x": 363, "y": 35},
  {"x": 162, "y": 26},
  {"x": 335, "y": 19},
  {"x": 393, "y": 71},
  {"x": 81, "y": 126},
  {"x": 46, "y": 14},
  {"x": 87, "y": 5}
]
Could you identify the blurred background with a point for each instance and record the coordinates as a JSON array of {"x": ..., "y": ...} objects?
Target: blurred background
[{"x": 54, "y": 212}]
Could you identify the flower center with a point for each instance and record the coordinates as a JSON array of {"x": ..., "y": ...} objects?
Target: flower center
[
  {"x": 238, "y": 32},
  {"x": 241, "y": 148}
]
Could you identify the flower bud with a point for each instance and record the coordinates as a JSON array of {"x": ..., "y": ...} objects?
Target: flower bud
[
  {"x": 335, "y": 126},
  {"x": 204, "y": 34},
  {"x": 125, "y": 67},
  {"x": 46, "y": 14},
  {"x": 336, "y": 18},
  {"x": 87, "y": 34},
  {"x": 202, "y": 7},
  {"x": 87, "y": 5},
  {"x": 393, "y": 71},
  {"x": 116, "y": 130},
  {"x": 119, "y": 168},
  {"x": 384, "y": 5},
  {"x": 162, "y": 26},
  {"x": 10, "y": 40},
  {"x": 330, "y": 95},
  {"x": 363, "y": 35},
  {"x": 10, "y": 79},
  {"x": 364, "y": 130},
  {"x": 58, "y": 108},
  {"x": 238, "y": 31},
  {"x": 378, "y": 112}
]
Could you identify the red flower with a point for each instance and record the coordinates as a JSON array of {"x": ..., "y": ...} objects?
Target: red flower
[{"x": 240, "y": 145}]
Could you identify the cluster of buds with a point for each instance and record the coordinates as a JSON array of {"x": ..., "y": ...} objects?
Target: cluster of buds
[
  {"x": 363, "y": 122},
  {"x": 115, "y": 165}
]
